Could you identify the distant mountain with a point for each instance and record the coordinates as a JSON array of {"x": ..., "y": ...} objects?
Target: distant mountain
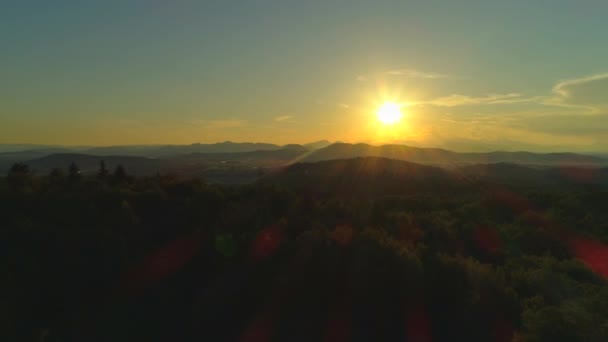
[
  {"x": 4, "y": 148},
  {"x": 441, "y": 157},
  {"x": 317, "y": 144},
  {"x": 280, "y": 157},
  {"x": 245, "y": 162},
  {"x": 36, "y": 153},
  {"x": 9, "y": 158},
  {"x": 170, "y": 150},
  {"x": 225, "y": 167},
  {"x": 147, "y": 151}
]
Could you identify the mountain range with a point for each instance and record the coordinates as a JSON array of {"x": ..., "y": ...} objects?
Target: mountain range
[{"x": 246, "y": 161}]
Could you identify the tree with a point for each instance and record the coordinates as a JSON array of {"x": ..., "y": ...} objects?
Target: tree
[
  {"x": 56, "y": 175},
  {"x": 103, "y": 171},
  {"x": 120, "y": 174},
  {"x": 74, "y": 172},
  {"x": 19, "y": 168},
  {"x": 18, "y": 175}
]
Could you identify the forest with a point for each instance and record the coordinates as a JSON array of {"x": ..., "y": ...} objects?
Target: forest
[{"x": 314, "y": 252}]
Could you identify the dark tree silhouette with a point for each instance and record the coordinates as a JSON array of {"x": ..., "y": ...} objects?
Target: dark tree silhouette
[
  {"x": 19, "y": 168},
  {"x": 120, "y": 174},
  {"x": 18, "y": 175},
  {"x": 426, "y": 263},
  {"x": 56, "y": 173},
  {"x": 56, "y": 179},
  {"x": 74, "y": 172},
  {"x": 103, "y": 171}
]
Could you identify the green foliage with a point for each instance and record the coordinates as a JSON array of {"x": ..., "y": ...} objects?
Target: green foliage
[{"x": 481, "y": 266}]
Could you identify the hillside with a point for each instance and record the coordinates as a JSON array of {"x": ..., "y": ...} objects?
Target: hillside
[
  {"x": 371, "y": 242},
  {"x": 236, "y": 167},
  {"x": 281, "y": 156},
  {"x": 371, "y": 176},
  {"x": 365, "y": 177},
  {"x": 243, "y": 165},
  {"x": 441, "y": 157}
]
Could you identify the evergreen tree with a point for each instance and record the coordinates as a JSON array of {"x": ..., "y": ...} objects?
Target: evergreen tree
[
  {"x": 56, "y": 175},
  {"x": 120, "y": 174},
  {"x": 103, "y": 171},
  {"x": 74, "y": 172},
  {"x": 19, "y": 169},
  {"x": 18, "y": 175}
]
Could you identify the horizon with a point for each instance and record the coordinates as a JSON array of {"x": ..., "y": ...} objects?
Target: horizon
[
  {"x": 16, "y": 148},
  {"x": 124, "y": 73}
]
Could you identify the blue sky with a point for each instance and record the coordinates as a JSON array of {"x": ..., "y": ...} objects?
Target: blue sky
[{"x": 474, "y": 74}]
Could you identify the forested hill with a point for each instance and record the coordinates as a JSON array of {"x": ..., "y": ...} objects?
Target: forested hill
[
  {"x": 436, "y": 156},
  {"x": 222, "y": 159},
  {"x": 365, "y": 177},
  {"x": 365, "y": 249},
  {"x": 383, "y": 175}
]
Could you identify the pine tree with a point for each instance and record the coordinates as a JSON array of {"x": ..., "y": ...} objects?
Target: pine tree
[
  {"x": 103, "y": 171},
  {"x": 18, "y": 175},
  {"x": 74, "y": 172},
  {"x": 120, "y": 174}
]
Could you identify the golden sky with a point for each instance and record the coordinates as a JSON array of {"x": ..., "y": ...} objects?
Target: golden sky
[{"x": 469, "y": 75}]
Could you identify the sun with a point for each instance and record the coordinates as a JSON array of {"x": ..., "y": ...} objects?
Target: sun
[{"x": 389, "y": 113}]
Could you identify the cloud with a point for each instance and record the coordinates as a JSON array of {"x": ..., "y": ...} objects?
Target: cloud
[
  {"x": 589, "y": 92},
  {"x": 455, "y": 100},
  {"x": 229, "y": 123},
  {"x": 411, "y": 73},
  {"x": 344, "y": 105},
  {"x": 570, "y": 115},
  {"x": 586, "y": 93},
  {"x": 513, "y": 131},
  {"x": 283, "y": 118},
  {"x": 592, "y": 125},
  {"x": 405, "y": 73}
]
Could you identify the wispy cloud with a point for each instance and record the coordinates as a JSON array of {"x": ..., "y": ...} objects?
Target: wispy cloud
[
  {"x": 283, "y": 118},
  {"x": 455, "y": 100},
  {"x": 405, "y": 73},
  {"x": 571, "y": 114},
  {"x": 411, "y": 73},
  {"x": 228, "y": 123},
  {"x": 590, "y": 92},
  {"x": 586, "y": 93},
  {"x": 344, "y": 105},
  {"x": 564, "y": 88}
]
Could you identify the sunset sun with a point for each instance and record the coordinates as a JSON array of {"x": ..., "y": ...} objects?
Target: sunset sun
[{"x": 389, "y": 113}]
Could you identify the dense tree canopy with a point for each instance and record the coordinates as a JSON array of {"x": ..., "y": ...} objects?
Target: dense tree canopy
[{"x": 117, "y": 258}]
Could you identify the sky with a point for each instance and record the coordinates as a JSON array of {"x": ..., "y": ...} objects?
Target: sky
[{"x": 469, "y": 75}]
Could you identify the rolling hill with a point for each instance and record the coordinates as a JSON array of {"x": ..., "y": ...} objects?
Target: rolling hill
[
  {"x": 243, "y": 161},
  {"x": 171, "y": 150},
  {"x": 369, "y": 176},
  {"x": 441, "y": 157}
]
